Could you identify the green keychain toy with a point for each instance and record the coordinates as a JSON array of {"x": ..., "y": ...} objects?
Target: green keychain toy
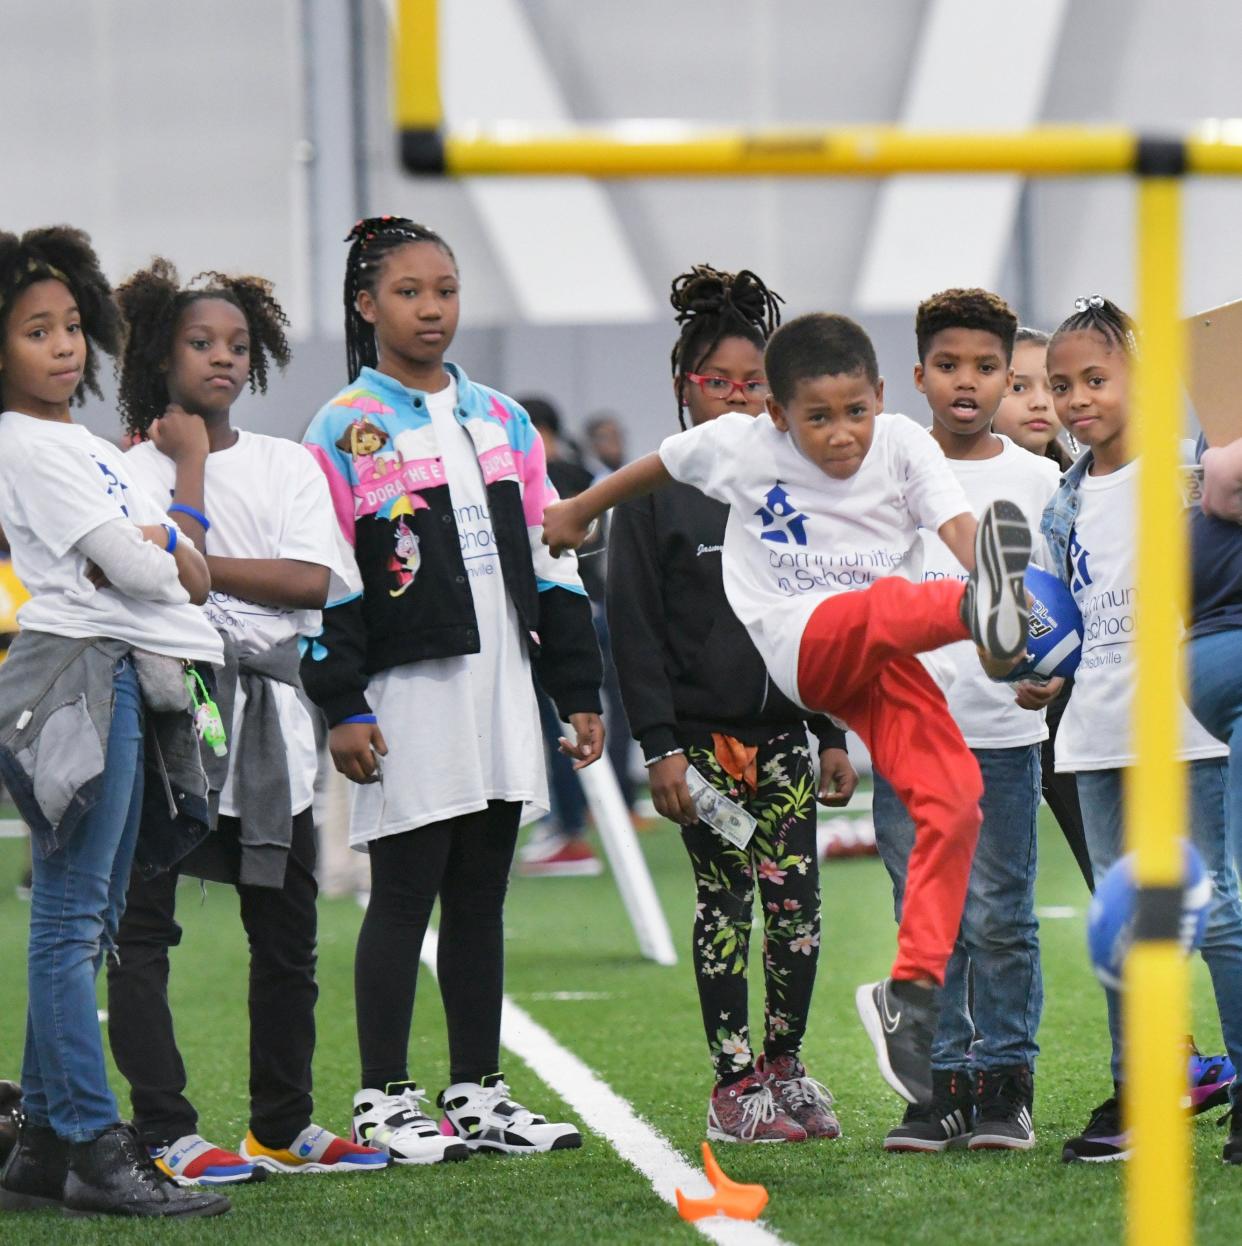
[{"x": 207, "y": 720}]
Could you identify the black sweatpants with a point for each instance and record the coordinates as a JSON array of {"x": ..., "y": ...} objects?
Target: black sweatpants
[
  {"x": 281, "y": 928},
  {"x": 465, "y": 862}
]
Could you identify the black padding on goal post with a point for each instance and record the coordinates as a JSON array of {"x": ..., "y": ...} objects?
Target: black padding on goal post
[
  {"x": 1160, "y": 157},
  {"x": 422, "y": 151}
]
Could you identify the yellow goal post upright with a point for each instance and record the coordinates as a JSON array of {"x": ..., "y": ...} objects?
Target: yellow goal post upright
[{"x": 1159, "y": 1174}]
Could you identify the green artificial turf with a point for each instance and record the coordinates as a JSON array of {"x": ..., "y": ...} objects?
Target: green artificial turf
[{"x": 573, "y": 965}]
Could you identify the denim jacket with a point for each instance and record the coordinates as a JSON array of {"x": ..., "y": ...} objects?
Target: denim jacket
[
  {"x": 1060, "y": 514},
  {"x": 55, "y": 717}
]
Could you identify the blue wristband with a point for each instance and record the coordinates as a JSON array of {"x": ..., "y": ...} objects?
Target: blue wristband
[
  {"x": 172, "y": 538},
  {"x": 193, "y": 514},
  {"x": 357, "y": 718}
]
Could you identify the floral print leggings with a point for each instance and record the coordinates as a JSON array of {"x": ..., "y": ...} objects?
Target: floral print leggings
[{"x": 783, "y": 859}]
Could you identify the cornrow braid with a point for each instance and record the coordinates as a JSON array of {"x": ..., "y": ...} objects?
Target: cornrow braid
[
  {"x": 712, "y": 305},
  {"x": 1100, "y": 315},
  {"x": 64, "y": 254},
  {"x": 152, "y": 301},
  {"x": 371, "y": 240}
]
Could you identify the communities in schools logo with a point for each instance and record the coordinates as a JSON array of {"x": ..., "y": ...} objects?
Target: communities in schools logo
[
  {"x": 1080, "y": 578},
  {"x": 783, "y": 523}
]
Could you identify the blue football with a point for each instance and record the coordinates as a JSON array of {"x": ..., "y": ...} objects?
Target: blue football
[
  {"x": 1110, "y": 919},
  {"x": 1055, "y": 642}
]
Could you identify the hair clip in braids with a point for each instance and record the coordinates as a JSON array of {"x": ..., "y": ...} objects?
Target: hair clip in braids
[{"x": 1094, "y": 303}]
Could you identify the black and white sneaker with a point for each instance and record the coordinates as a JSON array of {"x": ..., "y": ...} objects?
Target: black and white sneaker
[
  {"x": 485, "y": 1118},
  {"x": 394, "y": 1120},
  {"x": 1005, "y": 1099},
  {"x": 944, "y": 1122},
  {"x": 900, "y": 1019},
  {"x": 1104, "y": 1139},
  {"x": 995, "y": 607}
]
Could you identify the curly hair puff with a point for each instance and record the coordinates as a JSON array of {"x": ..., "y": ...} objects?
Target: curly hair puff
[
  {"x": 64, "y": 254},
  {"x": 152, "y": 301},
  {"x": 711, "y": 306},
  {"x": 965, "y": 309}
]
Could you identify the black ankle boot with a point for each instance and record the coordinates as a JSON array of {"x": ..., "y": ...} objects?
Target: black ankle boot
[
  {"x": 34, "y": 1174},
  {"x": 114, "y": 1176},
  {"x": 10, "y": 1117}
]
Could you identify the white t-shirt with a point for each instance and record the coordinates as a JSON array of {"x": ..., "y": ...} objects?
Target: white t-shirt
[
  {"x": 57, "y": 483},
  {"x": 796, "y": 536},
  {"x": 463, "y": 730},
  {"x": 985, "y": 710},
  {"x": 266, "y": 498},
  {"x": 1095, "y": 733}
]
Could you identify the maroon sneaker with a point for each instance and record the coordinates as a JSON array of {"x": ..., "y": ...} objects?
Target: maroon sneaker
[
  {"x": 747, "y": 1111},
  {"x": 809, "y": 1102}
]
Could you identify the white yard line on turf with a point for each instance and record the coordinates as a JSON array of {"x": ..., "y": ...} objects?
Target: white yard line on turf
[{"x": 610, "y": 1116}]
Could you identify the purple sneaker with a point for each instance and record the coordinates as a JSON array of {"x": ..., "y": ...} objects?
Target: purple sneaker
[
  {"x": 1103, "y": 1140},
  {"x": 1210, "y": 1078}
]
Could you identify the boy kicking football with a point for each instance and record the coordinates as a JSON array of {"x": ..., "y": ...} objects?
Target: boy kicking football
[{"x": 821, "y": 564}]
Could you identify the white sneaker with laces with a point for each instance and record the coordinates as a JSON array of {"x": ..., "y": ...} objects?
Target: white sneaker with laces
[
  {"x": 486, "y": 1118},
  {"x": 394, "y": 1120}
]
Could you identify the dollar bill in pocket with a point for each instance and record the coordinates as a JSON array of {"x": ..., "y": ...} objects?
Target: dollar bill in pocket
[{"x": 726, "y": 817}]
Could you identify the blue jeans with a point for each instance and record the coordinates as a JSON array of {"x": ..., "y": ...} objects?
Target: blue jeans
[
  {"x": 998, "y": 944},
  {"x": 77, "y": 898},
  {"x": 1100, "y": 793},
  {"x": 569, "y": 805},
  {"x": 1215, "y": 663}
]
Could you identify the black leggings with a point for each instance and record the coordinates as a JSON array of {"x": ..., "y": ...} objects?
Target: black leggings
[{"x": 465, "y": 862}]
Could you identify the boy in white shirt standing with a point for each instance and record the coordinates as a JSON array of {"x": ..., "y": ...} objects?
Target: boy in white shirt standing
[
  {"x": 821, "y": 564},
  {"x": 983, "y": 1096}
]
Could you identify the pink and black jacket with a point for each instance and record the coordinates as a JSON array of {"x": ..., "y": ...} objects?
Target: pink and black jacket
[{"x": 377, "y": 447}]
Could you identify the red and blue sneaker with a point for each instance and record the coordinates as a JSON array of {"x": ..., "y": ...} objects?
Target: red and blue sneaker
[
  {"x": 192, "y": 1160},
  {"x": 314, "y": 1150},
  {"x": 1210, "y": 1078}
]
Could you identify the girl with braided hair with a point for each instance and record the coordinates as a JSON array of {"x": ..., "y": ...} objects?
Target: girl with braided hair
[
  {"x": 431, "y": 669},
  {"x": 697, "y": 694},
  {"x": 103, "y": 639},
  {"x": 1089, "y": 526},
  {"x": 258, "y": 510}
]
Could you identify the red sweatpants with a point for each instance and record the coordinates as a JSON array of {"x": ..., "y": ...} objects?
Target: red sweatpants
[{"x": 857, "y": 663}]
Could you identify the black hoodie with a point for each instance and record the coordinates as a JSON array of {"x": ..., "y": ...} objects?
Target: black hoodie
[{"x": 686, "y": 664}]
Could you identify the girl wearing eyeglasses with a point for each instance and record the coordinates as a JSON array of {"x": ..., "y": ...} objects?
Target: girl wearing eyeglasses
[{"x": 698, "y": 695}]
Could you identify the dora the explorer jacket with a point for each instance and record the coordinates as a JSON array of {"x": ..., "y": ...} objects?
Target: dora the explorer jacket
[{"x": 377, "y": 446}]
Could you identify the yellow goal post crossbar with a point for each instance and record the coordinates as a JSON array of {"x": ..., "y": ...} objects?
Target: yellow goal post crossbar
[{"x": 1156, "y": 807}]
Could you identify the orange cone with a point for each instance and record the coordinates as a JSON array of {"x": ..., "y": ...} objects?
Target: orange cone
[{"x": 731, "y": 1198}]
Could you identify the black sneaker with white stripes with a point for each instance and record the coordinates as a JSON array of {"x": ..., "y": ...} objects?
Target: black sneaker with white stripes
[
  {"x": 944, "y": 1122},
  {"x": 1004, "y": 1100},
  {"x": 995, "y": 607},
  {"x": 900, "y": 1019}
]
